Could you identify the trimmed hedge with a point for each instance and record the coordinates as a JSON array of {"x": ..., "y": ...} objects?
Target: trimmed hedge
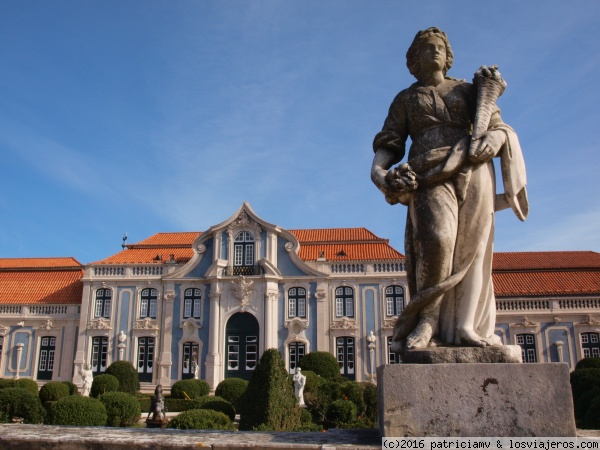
[
  {"x": 79, "y": 411},
  {"x": 588, "y": 363},
  {"x": 222, "y": 406},
  {"x": 201, "y": 419},
  {"x": 127, "y": 376},
  {"x": 103, "y": 384},
  {"x": 53, "y": 391},
  {"x": 145, "y": 402},
  {"x": 341, "y": 412},
  {"x": 584, "y": 403},
  {"x": 323, "y": 364},
  {"x": 73, "y": 389},
  {"x": 6, "y": 383},
  {"x": 591, "y": 419},
  {"x": 269, "y": 402},
  {"x": 198, "y": 403},
  {"x": 232, "y": 389},
  {"x": 27, "y": 383},
  {"x": 20, "y": 403},
  {"x": 122, "y": 410},
  {"x": 583, "y": 380},
  {"x": 192, "y": 387},
  {"x": 313, "y": 381},
  {"x": 370, "y": 397},
  {"x": 353, "y": 391}
]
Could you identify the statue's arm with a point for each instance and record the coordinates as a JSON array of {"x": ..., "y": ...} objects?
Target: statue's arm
[{"x": 491, "y": 142}]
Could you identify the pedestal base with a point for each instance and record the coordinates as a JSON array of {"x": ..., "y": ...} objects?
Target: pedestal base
[
  {"x": 475, "y": 400},
  {"x": 158, "y": 423},
  {"x": 443, "y": 355}
]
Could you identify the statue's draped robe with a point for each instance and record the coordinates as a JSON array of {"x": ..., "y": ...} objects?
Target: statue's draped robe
[{"x": 450, "y": 222}]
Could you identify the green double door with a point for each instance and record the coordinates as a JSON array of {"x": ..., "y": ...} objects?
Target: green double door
[{"x": 241, "y": 345}]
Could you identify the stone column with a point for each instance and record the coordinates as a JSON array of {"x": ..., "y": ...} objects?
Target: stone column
[
  {"x": 271, "y": 310},
  {"x": 322, "y": 343},
  {"x": 82, "y": 338},
  {"x": 19, "y": 354},
  {"x": 559, "y": 350},
  {"x": 371, "y": 339},
  {"x": 166, "y": 356},
  {"x": 214, "y": 361}
]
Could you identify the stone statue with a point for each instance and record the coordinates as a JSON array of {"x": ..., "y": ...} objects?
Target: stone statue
[
  {"x": 448, "y": 185},
  {"x": 87, "y": 377},
  {"x": 196, "y": 370},
  {"x": 157, "y": 407},
  {"x": 299, "y": 383}
]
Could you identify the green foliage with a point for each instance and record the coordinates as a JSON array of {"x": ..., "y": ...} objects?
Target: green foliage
[
  {"x": 201, "y": 419},
  {"x": 198, "y": 403},
  {"x": 122, "y": 410},
  {"x": 591, "y": 419},
  {"x": 53, "y": 391},
  {"x": 192, "y": 387},
  {"x": 370, "y": 397},
  {"x": 145, "y": 402},
  {"x": 583, "y": 380},
  {"x": 20, "y": 403},
  {"x": 323, "y": 364},
  {"x": 341, "y": 412},
  {"x": 232, "y": 389},
  {"x": 584, "y": 402},
  {"x": 222, "y": 406},
  {"x": 6, "y": 383},
  {"x": 73, "y": 389},
  {"x": 588, "y": 363},
  {"x": 27, "y": 383},
  {"x": 127, "y": 376},
  {"x": 269, "y": 401},
  {"x": 313, "y": 381},
  {"x": 102, "y": 384},
  {"x": 79, "y": 411},
  {"x": 176, "y": 404},
  {"x": 353, "y": 391}
]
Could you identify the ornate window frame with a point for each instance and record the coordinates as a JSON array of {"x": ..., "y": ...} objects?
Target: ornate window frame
[
  {"x": 286, "y": 292},
  {"x": 104, "y": 314},
  {"x": 334, "y": 305},
  {"x": 526, "y": 326},
  {"x": 139, "y": 302},
  {"x": 243, "y": 223},
  {"x": 47, "y": 330},
  {"x": 182, "y": 315}
]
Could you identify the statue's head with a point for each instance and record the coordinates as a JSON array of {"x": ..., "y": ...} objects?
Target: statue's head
[{"x": 413, "y": 60}]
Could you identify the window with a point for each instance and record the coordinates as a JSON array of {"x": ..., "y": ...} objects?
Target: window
[
  {"x": 148, "y": 303},
  {"x": 190, "y": 360},
  {"x": 297, "y": 351},
  {"x": 394, "y": 300},
  {"x": 191, "y": 303},
  {"x": 297, "y": 302},
  {"x": 46, "y": 362},
  {"x": 99, "y": 354},
  {"x": 103, "y": 302},
  {"x": 344, "y": 302},
  {"x": 393, "y": 358},
  {"x": 528, "y": 349},
  {"x": 590, "y": 345},
  {"x": 145, "y": 359},
  {"x": 345, "y": 356},
  {"x": 243, "y": 254}
]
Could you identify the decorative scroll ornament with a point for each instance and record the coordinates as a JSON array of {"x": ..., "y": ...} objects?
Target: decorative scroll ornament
[
  {"x": 388, "y": 324},
  {"x": 242, "y": 289},
  {"x": 244, "y": 221},
  {"x": 526, "y": 323},
  {"x": 214, "y": 295},
  {"x": 557, "y": 319},
  {"x": 344, "y": 324},
  {"x": 169, "y": 296},
  {"x": 201, "y": 248},
  {"x": 3, "y": 330},
  {"x": 589, "y": 320},
  {"x": 191, "y": 322},
  {"x": 47, "y": 326},
  {"x": 289, "y": 246},
  {"x": 321, "y": 295},
  {"x": 296, "y": 326},
  {"x": 272, "y": 295},
  {"x": 100, "y": 324},
  {"x": 145, "y": 324}
]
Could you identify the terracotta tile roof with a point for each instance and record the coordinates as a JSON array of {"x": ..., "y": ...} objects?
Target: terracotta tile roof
[
  {"x": 149, "y": 255},
  {"x": 554, "y": 283},
  {"x": 330, "y": 235},
  {"x": 546, "y": 260},
  {"x": 376, "y": 251},
  {"x": 40, "y": 281},
  {"x": 185, "y": 238},
  {"x": 27, "y": 263}
]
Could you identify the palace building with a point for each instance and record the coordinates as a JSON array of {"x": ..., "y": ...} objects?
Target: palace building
[{"x": 207, "y": 304}]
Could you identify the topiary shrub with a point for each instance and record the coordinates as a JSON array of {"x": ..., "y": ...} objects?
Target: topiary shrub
[
  {"x": 341, "y": 412},
  {"x": 591, "y": 420},
  {"x": 588, "y": 363},
  {"x": 584, "y": 402},
  {"x": 269, "y": 402},
  {"x": 198, "y": 403},
  {"x": 122, "y": 410},
  {"x": 353, "y": 391},
  {"x": 145, "y": 402},
  {"x": 79, "y": 411},
  {"x": 127, "y": 376},
  {"x": 73, "y": 389},
  {"x": 27, "y": 383},
  {"x": 313, "y": 381},
  {"x": 222, "y": 406},
  {"x": 201, "y": 419},
  {"x": 232, "y": 389},
  {"x": 176, "y": 404},
  {"x": 103, "y": 384},
  {"x": 322, "y": 363},
  {"x": 370, "y": 397},
  {"x": 6, "y": 383},
  {"x": 583, "y": 380},
  {"x": 192, "y": 387},
  {"x": 53, "y": 391},
  {"x": 20, "y": 403}
]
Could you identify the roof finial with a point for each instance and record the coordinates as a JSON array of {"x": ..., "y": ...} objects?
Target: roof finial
[{"x": 124, "y": 244}]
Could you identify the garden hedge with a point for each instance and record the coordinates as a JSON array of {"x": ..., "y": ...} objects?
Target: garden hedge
[
  {"x": 323, "y": 364},
  {"x": 201, "y": 419},
  {"x": 122, "y": 410},
  {"x": 20, "y": 403},
  {"x": 73, "y": 389},
  {"x": 588, "y": 363},
  {"x": 232, "y": 389},
  {"x": 103, "y": 384},
  {"x": 53, "y": 391},
  {"x": 27, "y": 383},
  {"x": 127, "y": 376},
  {"x": 192, "y": 387},
  {"x": 78, "y": 410}
]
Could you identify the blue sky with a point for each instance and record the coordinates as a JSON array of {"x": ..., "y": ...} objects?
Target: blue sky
[{"x": 148, "y": 116}]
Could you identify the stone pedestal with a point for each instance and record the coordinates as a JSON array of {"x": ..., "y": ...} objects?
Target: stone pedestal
[
  {"x": 157, "y": 423},
  {"x": 475, "y": 399},
  {"x": 443, "y": 355}
]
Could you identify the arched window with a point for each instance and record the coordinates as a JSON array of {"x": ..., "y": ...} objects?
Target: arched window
[
  {"x": 590, "y": 345},
  {"x": 148, "y": 303},
  {"x": 46, "y": 361},
  {"x": 528, "y": 348},
  {"x": 344, "y": 301},
  {"x": 243, "y": 251},
  {"x": 99, "y": 354},
  {"x": 297, "y": 302},
  {"x": 394, "y": 300},
  {"x": 103, "y": 303},
  {"x": 191, "y": 303}
]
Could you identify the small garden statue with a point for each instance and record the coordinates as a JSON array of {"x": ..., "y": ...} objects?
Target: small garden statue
[
  {"x": 87, "y": 377},
  {"x": 157, "y": 407},
  {"x": 299, "y": 383},
  {"x": 196, "y": 370}
]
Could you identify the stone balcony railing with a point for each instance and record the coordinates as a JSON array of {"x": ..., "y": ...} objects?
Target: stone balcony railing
[
  {"x": 551, "y": 306},
  {"x": 40, "y": 311},
  {"x": 359, "y": 267},
  {"x": 133, "y": 271}
]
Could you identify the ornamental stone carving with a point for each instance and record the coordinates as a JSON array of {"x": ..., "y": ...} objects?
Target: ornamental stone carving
[
  {"x": 388, "y": 324},
  {"x": 526, "y": 323},
  {"x": 289, "y": 246},
  {"x": 589, "y": 320},
  {"x": 296, "y": 327},
  {"x": 169, "y": 296},
  {"x": 100, "y": 324},
  {"x": 242, "y": 289},
  {"x": 321, "y": 295},
  {"x": 47, "y": 325},
  {"x": 201, "y": 248},
  {"x": 243, "y": 221},
  {"x": 145, "y": 324},
  {"x": 3, "y": 330},
  {"x": 344, "y": 324}
]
